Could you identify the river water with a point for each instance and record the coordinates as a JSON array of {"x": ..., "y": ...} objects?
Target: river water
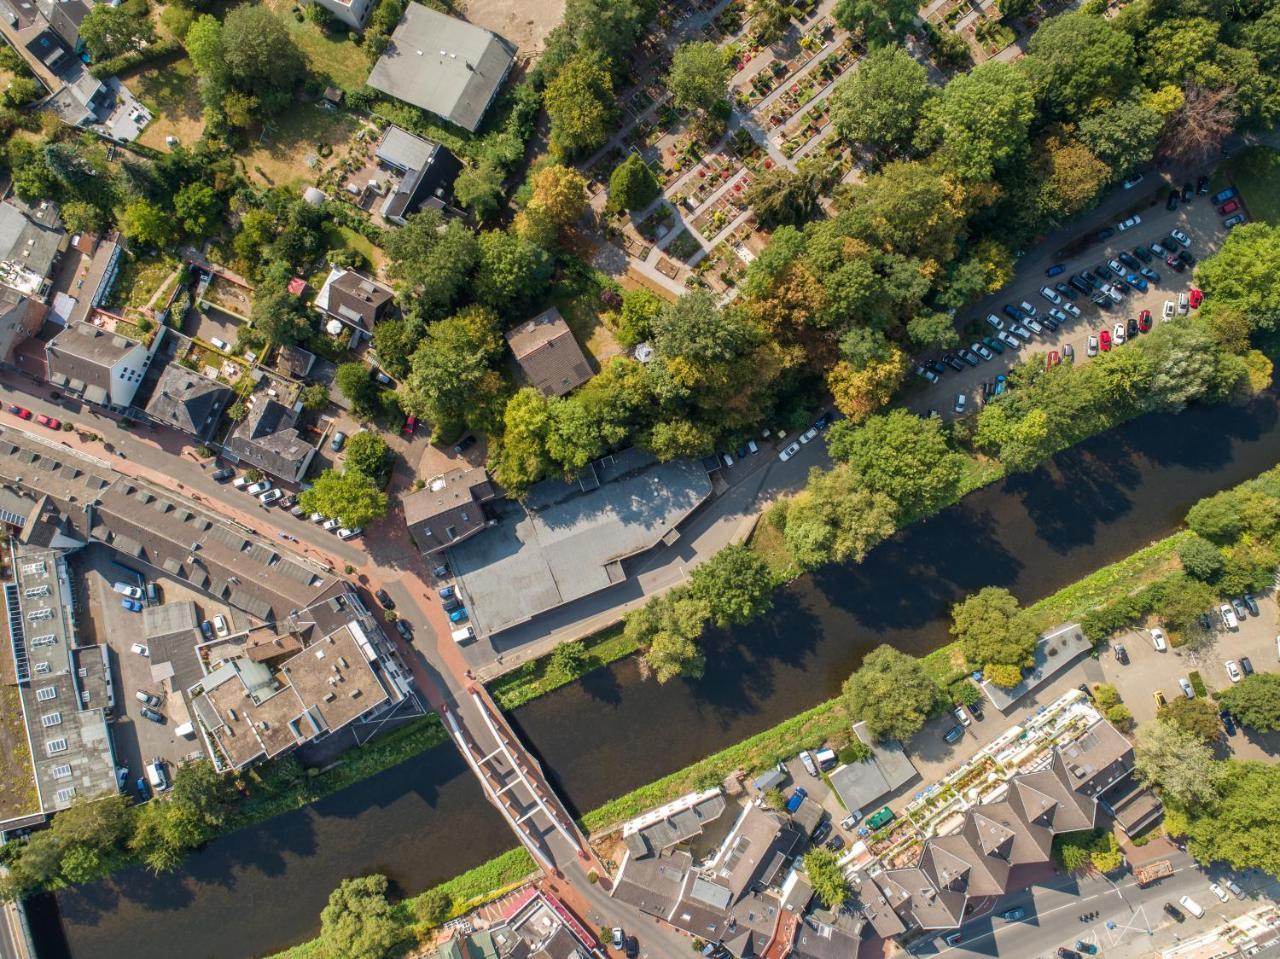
[{"x": 260, "y": 889}]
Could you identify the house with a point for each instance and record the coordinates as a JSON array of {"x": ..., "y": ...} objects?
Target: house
[
  {"x": 188, "y": 401},
  {"x": 82, "y": 100},
  {"x": 31, "y": 240},
  {"x": 295, "y": 361},
  {"x": 548, "y": 356},
  {"x": 534, "y": 925},
  {"x": 268, "y": 438},
  {"x": 352, "y": 13},
  {"x": 104, "y": 368},
  {"x": 448, "y": 509},
  {"x": 21, "y": 317},
  {"x": 65, "y": 17},
  {"x": 863, "y": 783},
  {"x": 354, "y": 300},
  {"x": 443, "y": 65},
  {"x": 331, "y": 99},
  {"x": 425, "y": 172}
]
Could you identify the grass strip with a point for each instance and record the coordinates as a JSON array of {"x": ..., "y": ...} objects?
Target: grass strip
[{"x": 540, "y": 676}]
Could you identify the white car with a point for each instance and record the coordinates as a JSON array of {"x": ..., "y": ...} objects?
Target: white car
[
  {"x": 258, "y": 488},
  {"x": 270, "y": 496},
  {"x": 1128, "y": 224},
  {"x": 789, "y": 452},
  {"x": 1071, "y": 308},
  {"x": 1228, "y": 616},
  {"x": 1183, "y": 303},
  {"x": 345, "y": 533},
  {"x": 124, "y": 589},
  {"x": 1168, "y": 309},
  {"x": 960, "y": 714},
  {"x": 318, "y": 517},
  {"x": 1233, "y": 671},
  {"x": 1181, "y": 237},
  {"x": 1009, "y": 340},
  {"x": 1218, "y": 891},
  {"x": 982, "y": 351},
  {"x": 1158, "y": 640},
  {"x": 1050, "y": 294},
  {"x": 1117, "y": 334},
  {"x": 220, "y": 344},
  {"x": 809, "y": 434},
  {"x": 1192, "y": 907},
  {"x": 140, "y": 649},
  {"x": 961, "y": 399},
  {"x": 1187, "y": 689},
  {"x": 1092, "y": 347},
  {"x": 995, "y": 322},
  {"x": 220, "y": 625},
  {"x": 752, "y": 447},
  {"x": 330, "y": 525}
]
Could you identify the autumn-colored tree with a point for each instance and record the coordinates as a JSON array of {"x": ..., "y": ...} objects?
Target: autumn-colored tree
[
  {"x": 859, "y": 393},
  {"x": 1198, "y": 129}
]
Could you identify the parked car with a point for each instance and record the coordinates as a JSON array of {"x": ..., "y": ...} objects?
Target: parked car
[
  {"x": 220, "y": 344},
  {"x": 789, "y": 452},
  {"x": 132, "y": 605},
  {"x": 993, "y": 344},
  {"x": 1131, "y": 329},
  {"x": 458, "y": 615},
  {"x": 223, "y": 474},
  {"x": 1133, "y": 181},
  {"x": 1234, "y": 887},
  {"x": 339, "y": 440},
  {"x": 152, "y": 715},
  {"x": 20, "y": 411},
  {"x": 1218, "y": 891},
  {"x": 1068, "y": 353},
  {"x": 1150, "y": 275},
  {"x": 821, "y": 833},
  {"x": 1196, "y": 297},
  {"x": 1122, "y": 654},
  {"x": 1137, "y": 282},
  {"x": 405, "y": 631},
  {"x": 618, "y": 938},
  {"x": 1013, "y": 915},
  {"x": 963, "y": 353},
  {"x": 1065, "y": 291},
  {"x": 1228, "y": 616},
  {"x": 1202, "y": 186},
  {"x": 386, "y": 602},
  {"x": 410, "y": 424},
  {"x": 1223, "y": 196},
  {"x": 464, "y": 444},
  {"x": 330, "y": 525},
  {"x": 220, "y": 625},
  {"x": 1167, "y": 311},
  {"x": 50, "y": 421},
  {"x": 270, "y": 496},
  {"x": 927, "y": 375},
  {"x": 835, "y": 843},
  {"x": 1104, "y": 339},
  {"x": 1234, "y": 221},
  {"x": 1228, "y": 722},
  {"x": 1174, "y": 912},
  {"x": 1233, "y": 671},
  {"x": 1050, "y": 294},
  {"x": 1071, "y": 308},
  {"x": 981, "y": 351},
  {"x": 1192, "y": 906},
  {"x": 1231, "y": 206},
  {"x": 961, "y": 399},
  {"x": 1091, "y": 346},
  {"x": 1056, "y": 270},
  {"x": 140, "y": 649},
  {"x": 1160, "y": 701},
  {"x": 1144, "y": 321},
  {"x": 1171, "y": 202},
  {"x": 808, "y": 435},
  {"x": 961, "y": 715},
  {"x": 1242, "y": 613},
  {"x": 1174, "y": 262},
  {"x": 240, "y": 482},
  {"x": 146, "y": 698},
  {"x": 1185, "y": 685},
  {"x": 851, "y": 820},
  {"x": 953, "y": 735},
  {"x": 1246, "y": 666},
  {"x": 124, "y": 589},
  {"x": 1158, "y": 640},
  {"x": 1252, "y": 605},
  {"x": 258, "y": 488},
  {"x": 1183, "y": 240},
  {"x": 1128, "y": 260}
]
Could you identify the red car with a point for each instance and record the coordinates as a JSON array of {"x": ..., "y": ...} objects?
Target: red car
[
  {"x": 21, "y": 412},
  {"x": 49, "y": 421},
  {"x": 1144, "y": 321},
  {"x": 1104, "y": 339},
  {"x": 1228, "y": 208},
  {"x": 1052, "y": 360},
  {"x": 1196, "y": 298},
  {"x": 409, "y": 425}
]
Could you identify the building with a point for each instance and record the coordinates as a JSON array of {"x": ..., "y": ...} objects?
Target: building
[
  {"x": 65, "y": 17},
  {"x": 65, "y": 690},
  {"x": 268, "y": 438},
  {"x": 104, "y": 368},
  {"x": 1055, "y": 651},
  {"x": 885, "y": 771},
  {"x": 188, "y": 401},
  {"x": 534, "y": 925},
  {"x": 21, "y": 317},
  {"x": 31, "y": 240},
  {"x": 352, "y": 13},
  {"x": 99, "y": 276},
  {"x": 424, "y": 174},
  {"x": 354, "y": 300},
  {"x": 448, "y": 509},
  {"x": 443, "y": 65},
  {"x": 567, "y": 540},
  {"x": 548, "y": 356},
  {"x": 294, "y": 361}
]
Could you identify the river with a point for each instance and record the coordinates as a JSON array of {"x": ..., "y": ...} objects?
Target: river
[{"x": 260, "y": 889}]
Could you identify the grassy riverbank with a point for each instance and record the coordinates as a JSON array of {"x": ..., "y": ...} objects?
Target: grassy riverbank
[{"x": 541, "y": 676}]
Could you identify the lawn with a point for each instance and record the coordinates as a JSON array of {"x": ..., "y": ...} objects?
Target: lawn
[
  {"x": 342, "y": 236},
  {"x": 1256, "y": 174},
  {"x": 330, "y": 56},
  {"x": 578, "y": 299},
  {"x": 169, "y": 91},
  {"x": 286, "y": 151},
  {"x": 140, "y": 279}
]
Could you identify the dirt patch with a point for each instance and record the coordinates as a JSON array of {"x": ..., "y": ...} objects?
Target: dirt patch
[
  {"x": 171, "y": 93},
  {"x": 524, "y": 23},
  {"x": 287, "y": 150}
]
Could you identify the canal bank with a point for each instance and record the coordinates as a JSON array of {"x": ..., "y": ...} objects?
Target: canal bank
[{"x": 1032, "y": 533}]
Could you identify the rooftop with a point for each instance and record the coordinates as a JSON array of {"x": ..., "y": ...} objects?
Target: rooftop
[
  {"x": 268, "y": 438},
  {"x": 188, "y": 401},
  {"x": 444, "y": 65},
  {"x": 1055, "y": 651},
  {"x": 548, "y": 355},
  {"x": 863, "y": 783},
  {"x": 353, "y": 297},
  {"x": 568, "y": 540},
  {"x": 28, "y": 246},
  {"x": 447, "y": 510}
]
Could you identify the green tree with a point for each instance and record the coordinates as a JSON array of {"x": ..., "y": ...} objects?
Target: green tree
[
  {"x": 1123, "y": 136},
  {"x": 736, "y": 585},
  {"x": 394, "y": 341},
  {"x": 163, "y": 833},
  {"x": 367, "y": 452},
  {"x": 775, "y": 800},
  {"x": 479, "y": 187},
  {"x": 358, "y": 922},
  {"x": 358, "y": 387},
  {"x": 991, "y": 629},
  {"x": 433, "y": 261},
  {"x": 770, "y": 19},
  {"x": 903, "y": 456},
  {"x": 1069, "y": 177},
  {"x": 260, "y": 56},
  {"x": 826, "y": 877},
  {"x": 569, "y": 661},
  {"x": 668, "y": 628},
  {"x": 349, "y": 496},
  {"x": 932, "y": 330},
  {"x": 278, "y": 316},
  {"x": 632, "y": 185},
  {"x": 1255, "y": 701},
  {"x": 449, "y": 365},
  {"x": 880, "y": 105},
  {"x": 881, "y": 23},
  {"x": 982, "y": 118},
  {"x": 1106, "y": 855},
  {"x": 315, "y": 397},
  {"x": 892, "y": 693},
  {"x": 1078, "y": 58},
  {"x": 1200, "y": 558},
  {"x": 111, "y": 31},
  {"x": 147, "y": 224},
  {"x": 21, "y": 91},
  {"x": 1240, "y": 829},
  {"x": 1177, "y": 762},
  {"x": 512, "y": 271},
  {"x": 780, "y": 197},
  {"x": 699, "y": 76},
  {"x": 836, "y": 518},
  {"x": 206, "y": 794},
  {"x": 694, "y": 328},
  {"x": 81, "y": 217},
  {"x": 197, "y": 208},
  {"x": 522, "y": 459},
  {"x": 578, "y": 101},
  {"x": 433, "y": 906},
  {"x": 1245, "y": 274},
  {"x": 1022, "y": 443},
  {"x": 1199, "y": 717}
]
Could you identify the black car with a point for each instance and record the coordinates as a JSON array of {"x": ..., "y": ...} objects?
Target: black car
[
  {"x": 223, "y": 474},
  {"x": 1065, "y": 290},
  {"x": 952, "y": 362},
  {"x": 632, "y": 947},
  {"x": 1175, "y": 263},
  {"x": 1133, "y": 328},
  {"x": 1228, "y": 722},
  {"x": 987, "y": 389},
  {"x": 1050, "y": 322},
  {"x": 1187, "y": 257},
  {"x": 1142, "y": 253},
  {"x": 385, "y": 599},
  {"x": 1106, "y": 233},
  {"x": 1186, "y": 192},
  {"x": 1081, "y": 284},
  {"x": 1065, "y": 953},
  {"x": 465, "y": 443},
  {"x": 1174, "y": 912},
  {"x": 1012, "y": 312},
  {"x": 835, "y": 843},
  {"x": 452, "y": 603},
  {"x": 1129, "y": 261},
  {"x": 1246, "y": 665},
  {"x": 976, "y": 712},
  {"x": 969, "y": 357},
  {"x": 405, "y": 631},
  {"x": 1122, "y": 654},
  {"x": 1172, "y": 202},
  {"x": 821, "y": 833},
  {"x": 440, "y": 571},
  {"x": 935, "y": 366},
  {"x": 1202, "y": 185}
]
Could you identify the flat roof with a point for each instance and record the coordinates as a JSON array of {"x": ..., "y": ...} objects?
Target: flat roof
[
  {"x": 863, "y": 783},
  {"x": 1055, "y": 651},
  {"x": 567, "y": 540}
]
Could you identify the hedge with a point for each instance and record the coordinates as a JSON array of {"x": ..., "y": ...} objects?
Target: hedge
[{"x": 136, "y": 58}]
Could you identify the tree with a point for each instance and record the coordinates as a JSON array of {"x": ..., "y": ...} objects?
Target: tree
[
  {"x": 349, "y": 496},
  {"x": 1245, "y": 275},
  {"x": 836, "y": 518},
  {"x": 1076, "y": 59},
  {"x": 881, "y": 23},
  {"x": 205, "y": 794},
  {"x": 780, "y": 197},
  {"x": 770, "y": 19},
  {"x": 1022, "y": 443},
  {"x": 880, "y": 105},
  {"x": 448, "y": 366},
  {"x": 1199, "y": 717},
  {"x": 983, "y": 117},
  {"x": 775, "y": 800},
  {"x": 433, "y": 906},
  {"x": 1177, "y": 762},
  {"x": 578, "y": 101},
  {"x": 694, "y": 328},
  {"x": 145, "y": 223},
  {"x": 522, "y": 459},
  {"x": 667, "y": 628},
  {"x": 367, "y": 452},
  {"x": 315, "y": 397},
  {"x": 394, "y": 341},
  {"x": 736, "y": 585},
  {"x": 1123, "y": 136},
  {"x": 632, "y": 185},
  {"x": 559, "y": 194},
  {"x": 1199, "y": 128},
  {"x": 991, "y": 630},
  {"x": 892, "y": 693},
  {"x": 922, "y": 472},
  {"x": 1070, "y": 178},
  {"x": 1200, "y": 558},
  {"x": 260, "y": 56},
  {"x": 197, "y": 208},
  {"x": 826, "y": 877},
  {"x": 860, "y": 392},
  {"x": 1255, "y": 701},
  {"x": 1182, "y": 602},
  {"x": 479, "y": 187},
  {"x": 512, "y": 271},
  {"x": 358, "y": 922},
  {"x": 569, "y": 660},
  {"x": 433, "y": 260},
  {"x": 110, "y": 31},
  {"x": 358, "y": 387},
  {"x": 1241, "y": 828},
  {"x": 81, "y": 217},
  {"x": 699, "y": 76},
  {"x": 164, "y": 832},
  {"x": 21, "y": 91},
  {"x": 277, "y": 315}
]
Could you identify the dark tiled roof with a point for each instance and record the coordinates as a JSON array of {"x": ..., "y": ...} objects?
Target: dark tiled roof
[
  {"x": 187, "y": 401},
  {"x": 354, "y": 298},
  {"x": 447, "y": 510},
  {"x": 268, "y": 439},
  {"x": 549, "y": 356}
]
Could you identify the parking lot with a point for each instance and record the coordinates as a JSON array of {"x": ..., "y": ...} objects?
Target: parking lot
[
  {"x": 103, "y": 619},
  {"x": 1197, "y": 218}
]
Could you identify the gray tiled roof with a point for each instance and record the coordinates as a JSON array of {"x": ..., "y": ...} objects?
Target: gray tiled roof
[
  {"x": 187, "y": 401},
  {"x": 549, "y": 356},
  {"x": 268, "y": 439}
]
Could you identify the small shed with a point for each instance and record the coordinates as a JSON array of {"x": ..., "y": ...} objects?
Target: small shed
[
  {"x": 773, "y": 779},
  {"x": 331, "y": 99}
]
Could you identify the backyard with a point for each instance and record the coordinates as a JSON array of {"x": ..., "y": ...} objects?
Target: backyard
[
  {"x": 330, "y": 56},
  {"x": 288, "y": 150},
  {"x": 169, "y": 91}
]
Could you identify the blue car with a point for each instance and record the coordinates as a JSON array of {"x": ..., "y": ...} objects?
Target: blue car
[
  {"x": 446, "y": 592},
  {"x": 1137, "y": 282},
  {"x": 1150, "y": 274},
  {"x": 1056, "y": 270},
  {"x": 144, "y": 791},
  {"x": 1002, "y": 383},
  {"x": 1013, "y": 313},
  {"x": 1224, "y": 196},
  {"x": 796, "y": 799},
  {"x": 458, "y": 615},
  {"x": 132, "y": 605}
]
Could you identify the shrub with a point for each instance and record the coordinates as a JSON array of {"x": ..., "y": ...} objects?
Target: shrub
[
  {"x": 1197, "y": 683},
  {"x": 1120, "y": 716},
  {"x": 855, "y": 752}
]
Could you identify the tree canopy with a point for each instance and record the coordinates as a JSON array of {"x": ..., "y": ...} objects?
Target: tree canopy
[
  {"x": 1255, "y": 701},
  {"x": 357, "y": 923},
  {"x": 1177, "y": 762},
  {"x": 736, "y": 585},
  {"x": 880, "y": 105},
  {"x": 826, "y": 877},
  {"x": 349, "y": 496},
  {"x": 891, "y": 692},
  {"x": 992, "y": 631}
]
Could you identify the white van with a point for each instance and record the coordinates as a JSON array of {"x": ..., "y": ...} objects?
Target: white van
[
  {"x": 1192, "y": 907},
  {"x": 156, "y": 775},
  {"x": 220, "y": 626},
  {"x": 463, "y": 634},
  {"x": 809, "y": 765},
  {"x": 826, "y": 757},
  {"x": 124, "y": 589}
]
